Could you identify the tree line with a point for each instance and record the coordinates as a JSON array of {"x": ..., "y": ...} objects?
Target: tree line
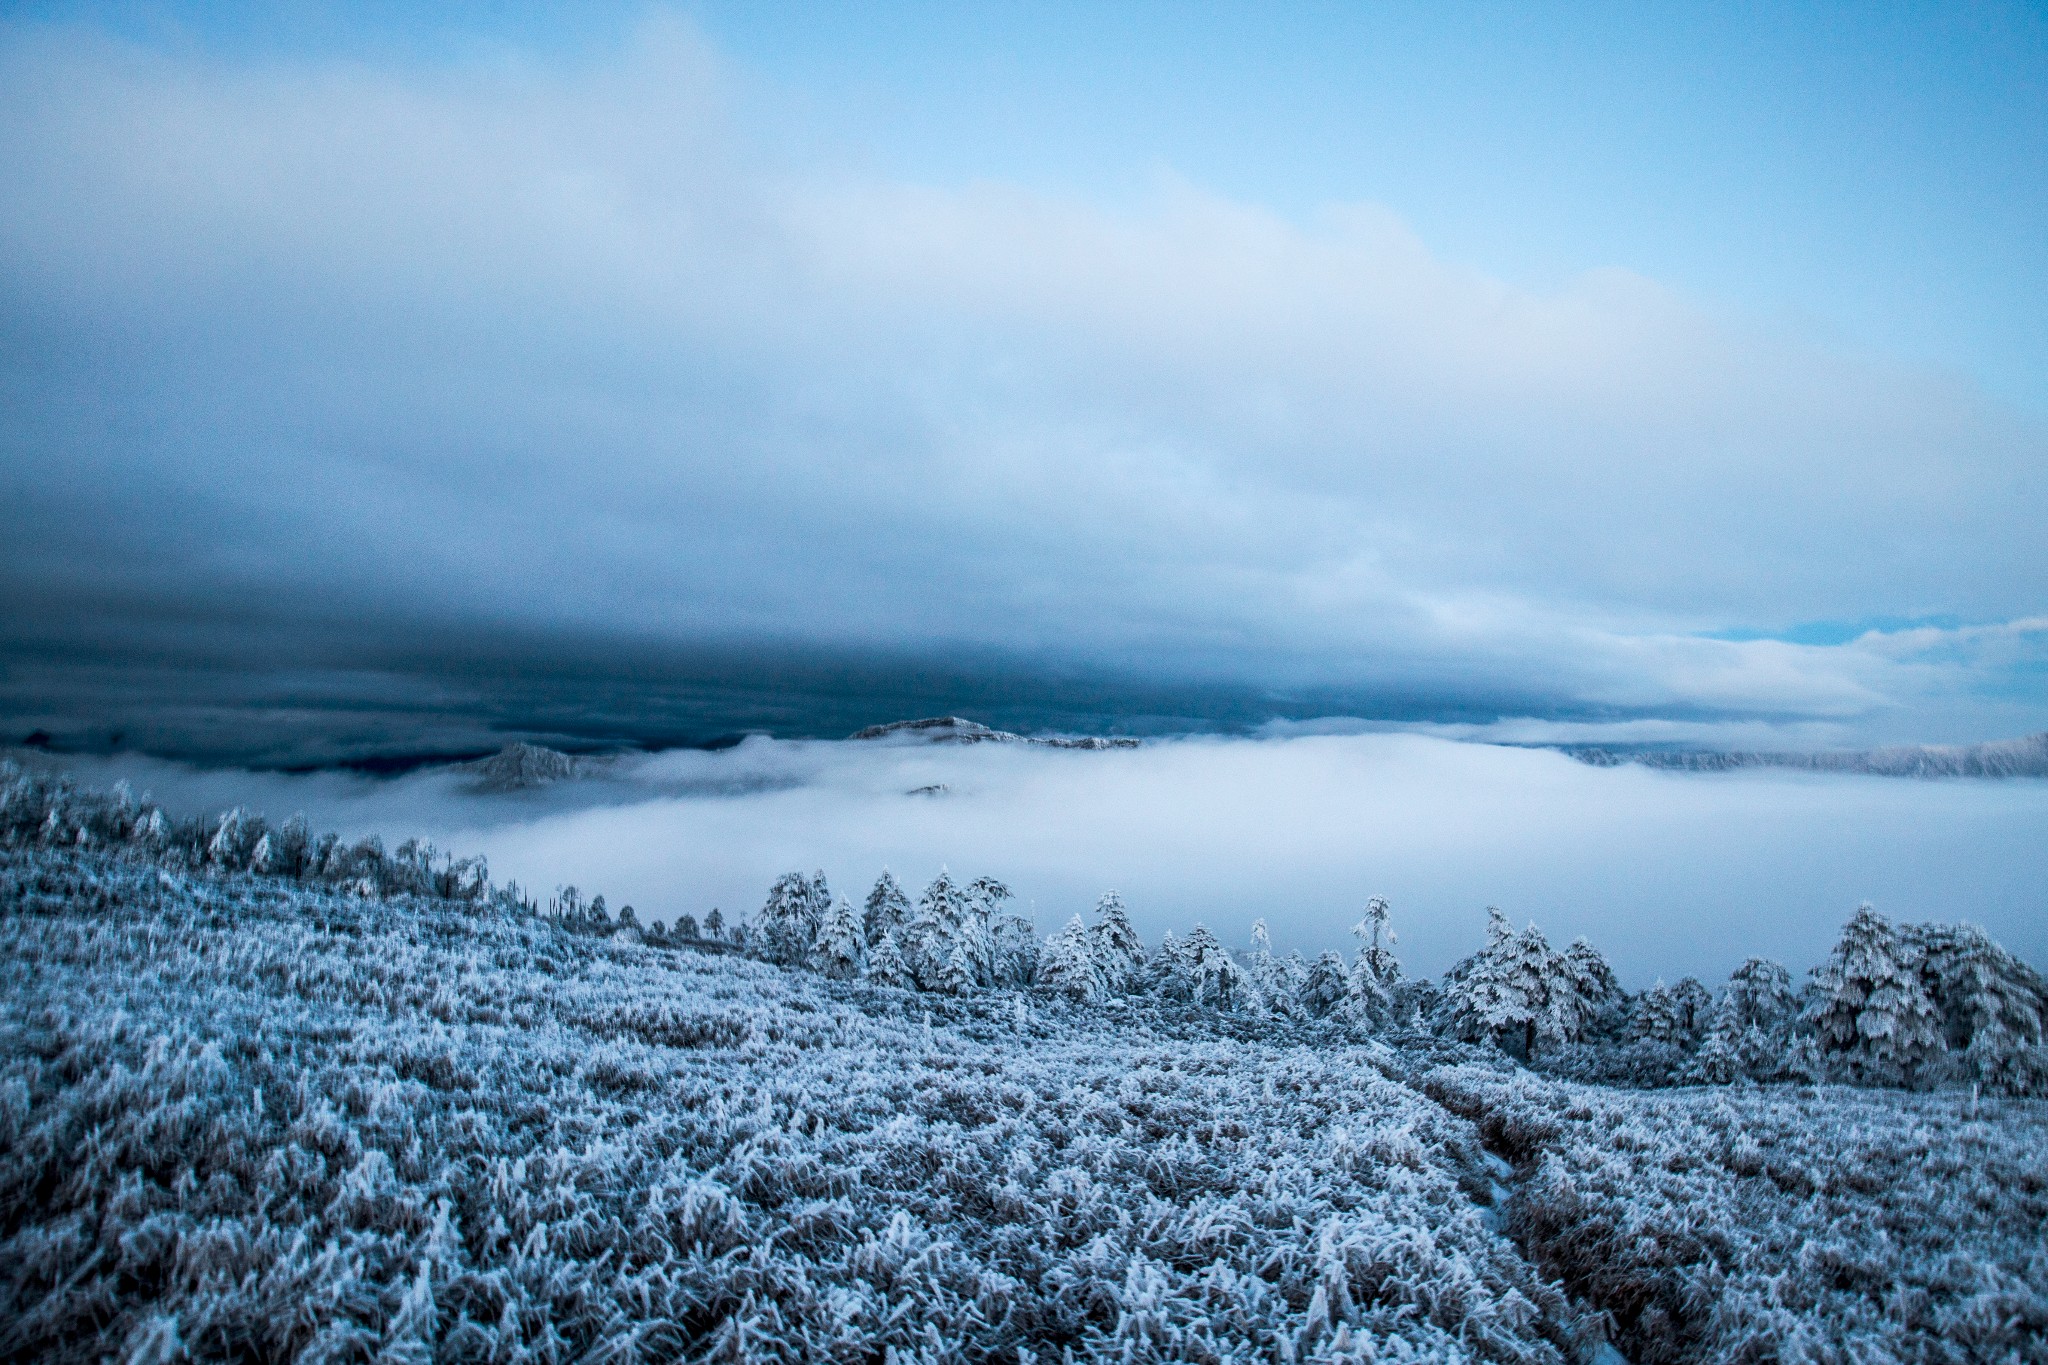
[{"x": 1907, "y": 1005}]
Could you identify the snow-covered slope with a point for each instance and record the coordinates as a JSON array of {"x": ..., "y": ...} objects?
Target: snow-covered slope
[{"x": 242, "y": 1115}]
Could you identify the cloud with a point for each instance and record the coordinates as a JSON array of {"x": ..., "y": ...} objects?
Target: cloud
[
  {"x": 1669, "y": 873},
  {"x": 569, "y": 348}
]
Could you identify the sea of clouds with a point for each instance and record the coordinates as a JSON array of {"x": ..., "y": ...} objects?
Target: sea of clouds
[{"x": 1668, "y": 873}]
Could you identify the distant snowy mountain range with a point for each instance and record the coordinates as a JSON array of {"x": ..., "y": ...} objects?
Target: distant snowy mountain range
[
  {"x": 2023, "y": 757},
  {"x": 954, "y": 730},
  {"x": 521, "y": 766}
]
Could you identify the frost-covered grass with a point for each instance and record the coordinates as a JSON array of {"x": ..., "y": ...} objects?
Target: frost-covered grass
[
  {"x": 1808, "y": 1223},
  {"x": 265, "y": 1120},
  {"x": 247, "y": 1117}
]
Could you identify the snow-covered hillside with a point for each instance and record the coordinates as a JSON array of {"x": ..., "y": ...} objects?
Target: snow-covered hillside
[{"x": 374, "y": 1107}]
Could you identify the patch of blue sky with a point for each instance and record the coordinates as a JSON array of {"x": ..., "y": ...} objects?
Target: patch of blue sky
[{"x": 1834, "y": 632}]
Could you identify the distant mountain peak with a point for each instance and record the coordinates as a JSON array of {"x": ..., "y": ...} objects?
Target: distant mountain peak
[
  {"x": 959, "y": 730},
  {"x": 520, "y": 766}
]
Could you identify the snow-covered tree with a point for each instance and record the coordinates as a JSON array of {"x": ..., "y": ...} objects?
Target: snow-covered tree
[
  {"x": 686, "y": 926},
  {"x": 1869, "y": 1012},
  {"x": 1215, "y": 977},
  {"x": 1993, "y": 1007},
  {"x": 1016, "y": 951},
  {"x": 1068, "y": 963},
  {"x": 888, "y": 908},
  {"x": 937, "y": 944},
  {"x": 842, "y": 942},
  {"x": 1118, "y": 949},
  {"x": 984, "y": 898},
  {"x": 234, "y": 839},
  {"x": 1602, "y": 1001},
  {"x": 1375, "y": 971},
  {"x": 1166, "y": 971},
  {"x": 1517, "y": 993},
  {"x": 787, "y": 927},
  {"x": 1328, "y": 985},
  {"x": 885, "y": 965},
  {"x": 1748, "y": 1031},
  {"x": 1265, "y": 972},
  {"x": 714, "y": 924}
]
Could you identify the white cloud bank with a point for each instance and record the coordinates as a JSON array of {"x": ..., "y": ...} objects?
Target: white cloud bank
[
  {"x": 567, "y": 348},
  {"x": 1668, "y": 873}
]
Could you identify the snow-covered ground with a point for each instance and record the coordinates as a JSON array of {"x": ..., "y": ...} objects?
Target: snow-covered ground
[
  {"x": 246, "y": 1117},
  {"x": 1670, "y": 873},
  {"x": 267, "y": 1095}
]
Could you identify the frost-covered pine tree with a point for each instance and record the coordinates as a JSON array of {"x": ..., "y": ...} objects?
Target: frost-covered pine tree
[
  {"x": 1994, "y": 1008},
  {"x": 1748, "y": 1031},
  {"x": 938, "y": 951},
  {"x": 1166, "y": 971},
  {"x": 714, "y": 924},
  {"x": 1328, "y": 985},
  {"x": 1516, "y": 992},
  {"x": 842, "y": 941},
  {"x": 1869, "y": 1012},
  {"x": 234, "y": 839},
  {"x": 1659, "y": 1018},
  {"x": 984, "y": 899},
  {"x": 784, "y": 931},
  {"x": 1068, "y": 963},
  {"x": 1602, "y": 1000},
  {"x": 1375, "y": 971},
  {"x": 888, "y": 909},
  {"x": 1216, "y": 978},
  {"x": 1117, "y": 947},
  {"x": 686, "y": 926},
  {"x": 1016, "y": 951},
  {"x": 885, "y": 965},
  {"x": 1264, "y": 970}
]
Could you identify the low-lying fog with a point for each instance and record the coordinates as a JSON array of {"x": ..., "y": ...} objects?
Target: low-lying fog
[{"x": 1668, "y": 873}]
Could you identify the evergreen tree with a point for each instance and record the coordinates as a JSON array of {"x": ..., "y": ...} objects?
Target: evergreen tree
[
  {"x": 1215, "y": 977},
  {"x": 938, "y": 950},
  {"x": 984, "y": 898},
  {"x": 1117, "y": 947},
  {"x": 1374, "y": 972},
  {"x": 1166, "y": 971},
  {"x": 1659, "y": 1018},
  {"x": 888, "y": 909},
  {"x": 1264, "y": 970},
  {"x": 1993, "y": 1007},
  {"x": 686, "y": 927},
  {"x": 885, "y": 965},
  {"x": 1748, "y": 1033},
  {"x": 1327, "y": 986},
  {"x": 784, "y": 931},
  {"x": 1602, "y": 1001},
  {"x": 1695, "y": 1006},
  {"x": 841, "y": 941},
  {"x": 1068, "y": 963},
  {"x": 714, "y": 924},
  {"x": 1016, "y": 951},
  {"x": 1869, "y": 1013}
]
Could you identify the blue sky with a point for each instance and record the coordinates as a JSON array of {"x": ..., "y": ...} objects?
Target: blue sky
[{"x": 1671, "y": 364}]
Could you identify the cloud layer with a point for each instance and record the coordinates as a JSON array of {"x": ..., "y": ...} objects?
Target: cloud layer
[
  {"x": 371, "y": 351},
  {"x": 1668, "y": 873}
]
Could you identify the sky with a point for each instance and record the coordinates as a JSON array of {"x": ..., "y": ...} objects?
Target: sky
[{"x": 1628, "y": 366}]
